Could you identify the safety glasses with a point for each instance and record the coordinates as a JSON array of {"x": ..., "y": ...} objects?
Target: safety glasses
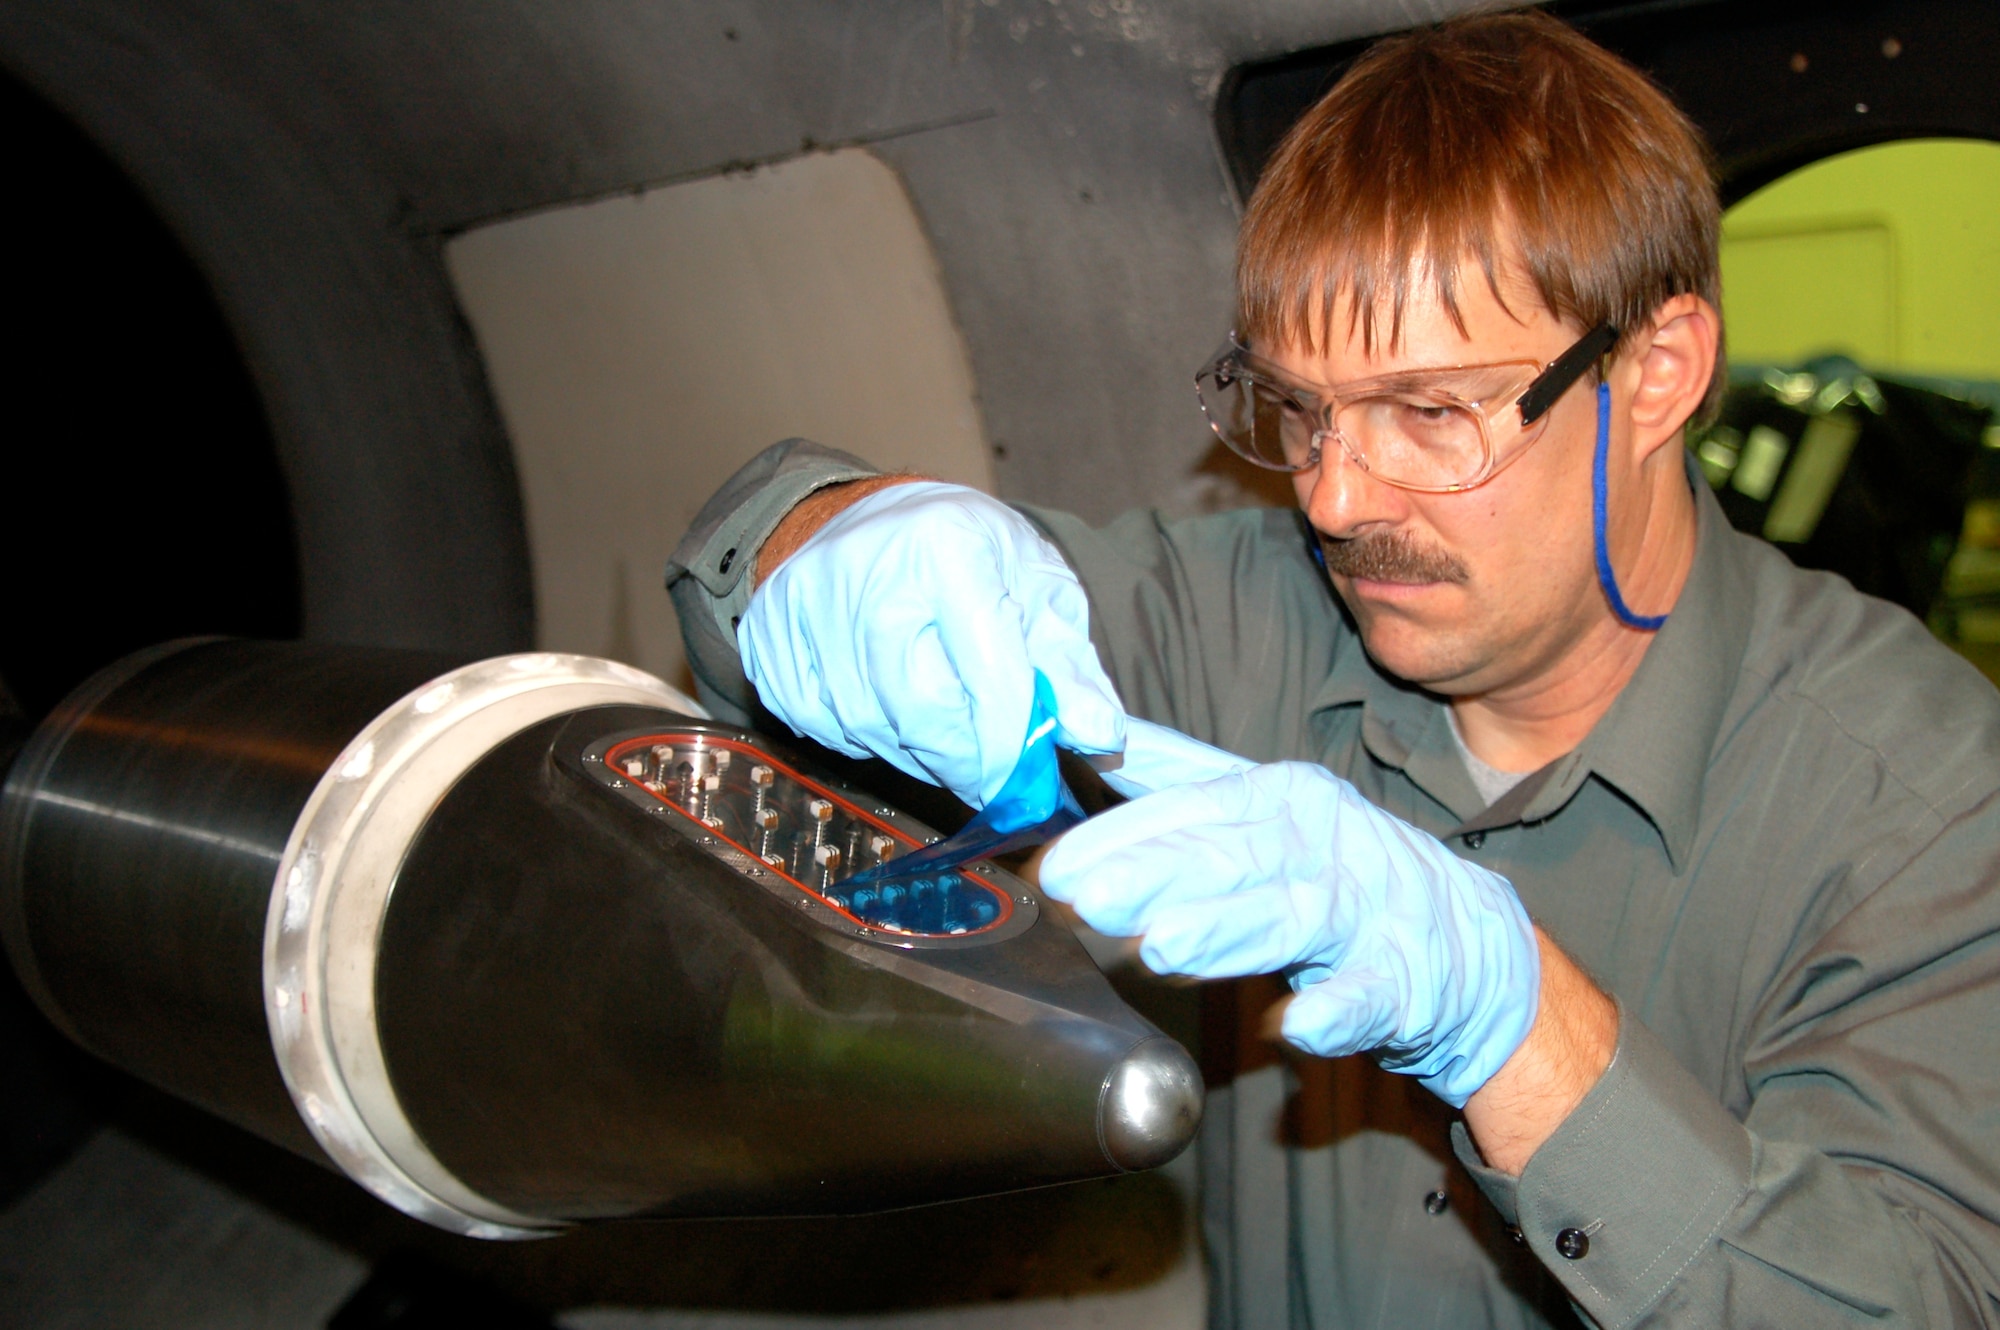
[{"x": 1432, "y": 430}]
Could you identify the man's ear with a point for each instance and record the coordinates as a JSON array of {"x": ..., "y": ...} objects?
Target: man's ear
[{"x": 1673, "y": 365}]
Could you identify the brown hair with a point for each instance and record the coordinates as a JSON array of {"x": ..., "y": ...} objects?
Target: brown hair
[{"x": 1504, "y": 137}]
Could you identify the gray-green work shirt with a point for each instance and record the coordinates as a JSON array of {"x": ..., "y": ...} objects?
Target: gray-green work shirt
[{"x": 1778, "y": 850}]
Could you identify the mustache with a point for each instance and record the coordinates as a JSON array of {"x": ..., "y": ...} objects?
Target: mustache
[{"x": 1389, "y": 556}]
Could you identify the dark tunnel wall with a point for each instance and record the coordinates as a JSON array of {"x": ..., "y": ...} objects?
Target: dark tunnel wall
[
  {"x": 142, "y": 499},
  {"x": 403, "y": 498}
]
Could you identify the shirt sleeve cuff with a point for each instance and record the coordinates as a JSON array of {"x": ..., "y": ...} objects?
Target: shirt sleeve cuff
[
  {"x": 720, "y": 547},
  {"x": 708, "y": 574},
  {"x": 1631, "y": 1188}
]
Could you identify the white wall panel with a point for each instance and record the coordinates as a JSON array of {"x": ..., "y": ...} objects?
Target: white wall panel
[{"x": 642, "y": 347}]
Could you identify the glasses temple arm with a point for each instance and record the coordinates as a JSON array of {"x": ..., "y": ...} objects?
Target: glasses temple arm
[{"x": 1554, "y": 381}]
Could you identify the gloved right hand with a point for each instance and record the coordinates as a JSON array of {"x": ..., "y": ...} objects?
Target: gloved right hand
[
  {"x": 1393, "y": 942},
  {"x": 910, "y": 627}
]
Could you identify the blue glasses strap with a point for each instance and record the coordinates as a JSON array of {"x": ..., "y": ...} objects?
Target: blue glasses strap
[{"x": 1648, "y": 623}]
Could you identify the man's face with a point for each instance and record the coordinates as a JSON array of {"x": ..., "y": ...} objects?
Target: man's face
[{"x": 1482, "y": 590}]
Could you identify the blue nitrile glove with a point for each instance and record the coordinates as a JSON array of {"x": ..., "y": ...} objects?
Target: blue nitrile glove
[
  {"x": 1394, "y": 943},
  {"x": 910, "y": 627},
  {"x": 1157, "y": 757}
]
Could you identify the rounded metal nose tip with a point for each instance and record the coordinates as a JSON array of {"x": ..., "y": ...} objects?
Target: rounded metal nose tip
[{"x": 1150, "y": 1106}]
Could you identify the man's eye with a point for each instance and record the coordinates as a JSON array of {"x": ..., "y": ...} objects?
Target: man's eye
[{"x": 1417, "y": 409}]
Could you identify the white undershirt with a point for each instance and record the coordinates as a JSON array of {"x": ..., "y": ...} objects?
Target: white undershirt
[{"x": 1489, "y": 780}]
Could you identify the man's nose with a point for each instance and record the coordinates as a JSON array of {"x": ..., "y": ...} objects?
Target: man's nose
[{"x": 1341, "y": 498}]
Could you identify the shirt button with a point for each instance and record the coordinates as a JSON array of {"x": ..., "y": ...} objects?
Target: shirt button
[
  {"x": 1516, "y": 1236},
  {"x": 1436, "y": 1202},
  {"x": 1572, "y": 1244},
  {"x": 1474, "y": 839}
]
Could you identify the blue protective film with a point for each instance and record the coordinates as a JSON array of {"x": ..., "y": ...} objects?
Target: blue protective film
[
  {"x": 940, "y": 902},
  {"x": 1035, "y": 805}
]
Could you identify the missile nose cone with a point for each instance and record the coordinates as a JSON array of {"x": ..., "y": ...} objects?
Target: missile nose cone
[{"x": 1151, "y": 1105}]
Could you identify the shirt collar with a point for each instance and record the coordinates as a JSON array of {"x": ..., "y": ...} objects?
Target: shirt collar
[
  {"x": 1653, "y": 744},
  {"x": 1402, "y": 726}
]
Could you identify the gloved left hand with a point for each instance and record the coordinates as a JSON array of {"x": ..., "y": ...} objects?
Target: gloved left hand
[
  {"x": 912, "y": 625},
  {"x": 1394, "y": 943}
]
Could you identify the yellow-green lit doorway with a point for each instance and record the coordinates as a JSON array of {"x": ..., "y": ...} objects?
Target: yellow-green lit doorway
[
  {"x": 1861, "y": 299},
  {"x": 1890, "y": 255}
]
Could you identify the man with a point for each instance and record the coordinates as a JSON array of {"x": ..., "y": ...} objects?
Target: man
[{"x": 1666, "y": 863}]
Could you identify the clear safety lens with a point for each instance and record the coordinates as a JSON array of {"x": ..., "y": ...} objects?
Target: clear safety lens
[
  {"x": 1429, "y": 431},
  {"x": 1415, "y": 439},
  {"x": 1259, "y": 421}
]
